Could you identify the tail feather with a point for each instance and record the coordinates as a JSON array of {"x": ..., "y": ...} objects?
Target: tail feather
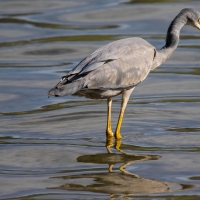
[{"x": 67, "y": 88}]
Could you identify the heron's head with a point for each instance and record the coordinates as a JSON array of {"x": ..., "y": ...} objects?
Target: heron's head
[{"x": 192, "y": 16}]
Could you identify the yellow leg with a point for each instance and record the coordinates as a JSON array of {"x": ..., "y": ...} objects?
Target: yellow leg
[
  {"x": 109, "y": 132},
  {"x": 125, "y": 97},
  {"x": 119, "y": 123}
]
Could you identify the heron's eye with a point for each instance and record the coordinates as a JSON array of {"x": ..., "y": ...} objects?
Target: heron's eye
[{"x": 199, "y": 20}]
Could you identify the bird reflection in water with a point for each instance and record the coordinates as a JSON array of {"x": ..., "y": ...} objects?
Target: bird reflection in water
[
  {"x": 125, "y": 157},
  {"x": 116, "y": 181}
]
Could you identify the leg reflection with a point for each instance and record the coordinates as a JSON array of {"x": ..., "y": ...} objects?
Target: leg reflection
[
  {"x": 117, "y": 145},
  {"x": 109, "y": 143},
  {"x": 110, "y": 168}
]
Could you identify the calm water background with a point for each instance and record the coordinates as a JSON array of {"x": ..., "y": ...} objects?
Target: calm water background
[{"x": 55, "y": 148}]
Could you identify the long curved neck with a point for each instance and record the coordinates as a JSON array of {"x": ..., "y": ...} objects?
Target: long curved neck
[{"x": 172, "y": 40}]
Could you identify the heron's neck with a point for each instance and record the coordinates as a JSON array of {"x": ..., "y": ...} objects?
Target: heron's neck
[{"x": 172, "y": 40}]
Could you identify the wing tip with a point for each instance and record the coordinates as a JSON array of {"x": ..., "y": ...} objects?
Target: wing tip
[{"x": 52, "y": 92}]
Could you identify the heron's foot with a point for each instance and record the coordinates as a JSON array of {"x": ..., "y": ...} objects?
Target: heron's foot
[
  {"x": 118, "y": 135},
  {"x": 109, "y": 133},
  {"x": 118, "y": 144}
]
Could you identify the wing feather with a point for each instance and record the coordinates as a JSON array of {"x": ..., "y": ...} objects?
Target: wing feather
[
  {"x": 122, "y": 73},
  {"x": 117, "y": 65},
  {"x": 112, "y": 51}
]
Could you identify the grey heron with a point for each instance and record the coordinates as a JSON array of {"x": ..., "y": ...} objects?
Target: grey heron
[{"x": 118, "y": 67}]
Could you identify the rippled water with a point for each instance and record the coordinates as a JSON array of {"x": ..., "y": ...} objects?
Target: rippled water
[{"x": 55, "y": 148}]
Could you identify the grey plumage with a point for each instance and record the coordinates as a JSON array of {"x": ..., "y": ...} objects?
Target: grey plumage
[
  {"x": 119, "y": 66},
  {"x": 108, "y": 69}
]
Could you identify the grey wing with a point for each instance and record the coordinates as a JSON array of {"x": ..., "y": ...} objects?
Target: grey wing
[
  {"x": 112, "y": 51},
  {"x": 124, "y": 72},
  {"x": 120, "y": 64}
]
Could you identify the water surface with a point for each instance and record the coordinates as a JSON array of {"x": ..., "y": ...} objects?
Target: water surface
[{"x": 56, "y": 148}]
